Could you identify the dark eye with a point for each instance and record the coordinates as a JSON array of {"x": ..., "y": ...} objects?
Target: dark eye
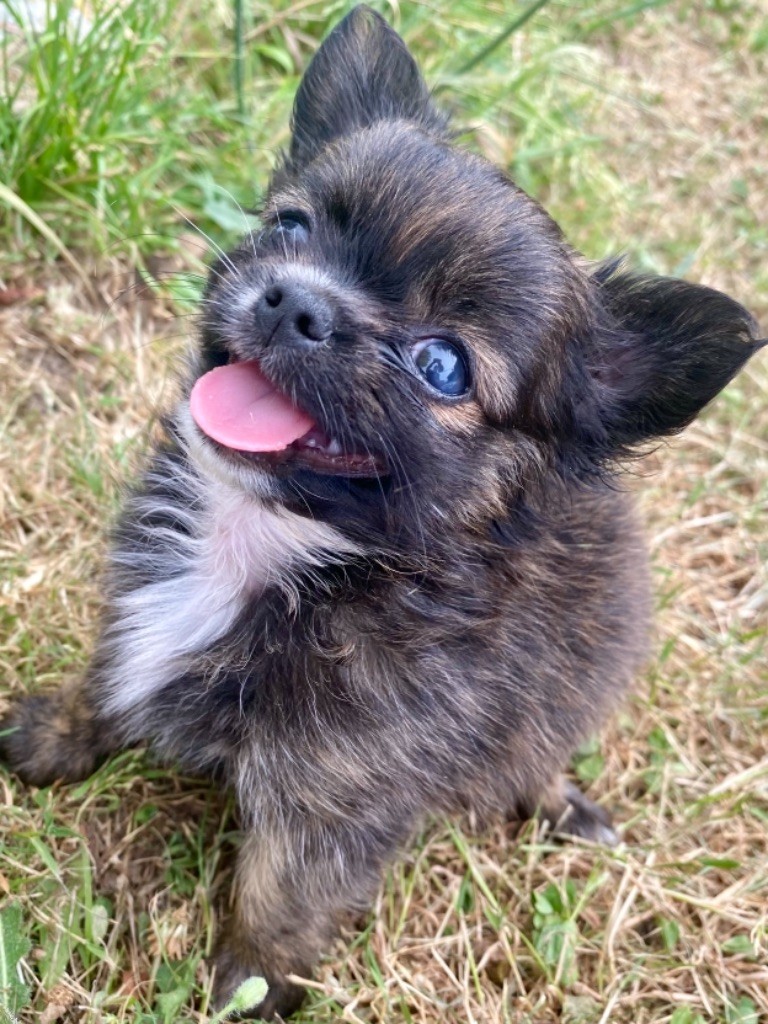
[
  {"x": 289, "y": 227},
  {"x": 443, "y": 366}
]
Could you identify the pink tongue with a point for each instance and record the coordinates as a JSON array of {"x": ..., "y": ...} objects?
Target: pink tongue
[{"x": 238, "y": 407}]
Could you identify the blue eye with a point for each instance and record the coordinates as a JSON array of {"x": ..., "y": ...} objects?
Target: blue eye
[
  {"x": 289, "y": 227},
  {"x": 442, "y": 365}
]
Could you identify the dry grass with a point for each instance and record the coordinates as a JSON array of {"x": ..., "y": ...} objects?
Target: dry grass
[{"x": 119, "y": 878}]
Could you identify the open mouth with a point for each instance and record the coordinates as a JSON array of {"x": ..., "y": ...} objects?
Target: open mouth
[{"x": 244, "y": 413}]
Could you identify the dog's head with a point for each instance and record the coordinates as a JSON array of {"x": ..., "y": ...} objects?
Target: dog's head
[{"x": 409, "y": 345}]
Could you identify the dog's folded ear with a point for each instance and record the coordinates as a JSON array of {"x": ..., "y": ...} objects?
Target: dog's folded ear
[
  {"x": 670, "y": 348},
  {"x": 361, "y": 74}
]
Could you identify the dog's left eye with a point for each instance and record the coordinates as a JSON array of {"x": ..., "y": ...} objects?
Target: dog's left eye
[
  {"x": 442, "y": 365},
  {"x": 289, "y": 227}
]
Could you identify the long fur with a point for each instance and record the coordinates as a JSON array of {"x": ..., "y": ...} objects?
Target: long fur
[{"x": 352, "y": 651}]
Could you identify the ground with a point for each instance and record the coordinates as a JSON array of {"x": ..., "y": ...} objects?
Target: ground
[{"x": 112, "y": 887}]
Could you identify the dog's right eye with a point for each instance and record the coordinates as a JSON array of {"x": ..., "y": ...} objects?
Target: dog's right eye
[{"x": 289, "y": 227}]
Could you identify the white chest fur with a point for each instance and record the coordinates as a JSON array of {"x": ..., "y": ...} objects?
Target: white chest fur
[{"x": 232, "y": 548}]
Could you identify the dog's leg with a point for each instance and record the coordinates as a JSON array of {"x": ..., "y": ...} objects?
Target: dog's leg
[
  {"x": 569, "y": 813},
  {"x": 295, "y": 884},
  {"x": 57, "y": 735}
]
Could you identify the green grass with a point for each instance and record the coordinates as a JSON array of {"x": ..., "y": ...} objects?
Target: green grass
[{"x": 117, "y": 128}]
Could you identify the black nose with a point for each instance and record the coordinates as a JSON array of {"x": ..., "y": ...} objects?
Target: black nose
[{"x": 289, "y": 313}]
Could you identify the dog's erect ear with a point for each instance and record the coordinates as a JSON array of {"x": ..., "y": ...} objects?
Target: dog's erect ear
[
  {"x": 676, "y": 345},
  {"x": 362, "y": 73}
]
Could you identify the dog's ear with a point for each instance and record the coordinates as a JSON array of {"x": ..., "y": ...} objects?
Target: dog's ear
[
  {"x": 361, "y": 74},
  {"x": 670, "y": 348}
]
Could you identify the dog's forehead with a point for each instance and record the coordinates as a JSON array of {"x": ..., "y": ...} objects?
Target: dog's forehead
[
  {"x": 396, "y": 178},
  {"x": 397, "y": 163},
  {"x": 453, "y": 223}
]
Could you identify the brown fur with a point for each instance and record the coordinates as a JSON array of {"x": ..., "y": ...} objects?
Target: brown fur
[
  {"x": 351, "y": 650},
  {"x": 55, "y": 737}
]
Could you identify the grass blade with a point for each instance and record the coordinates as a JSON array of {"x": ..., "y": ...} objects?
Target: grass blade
[
  {"x": 240, "y": 57},
  {"x": 626, "y": 12},
  {"x": 16, "y": 203},
  {"x": 14, "y": 945},
  {"x": 502, "y": 37}
]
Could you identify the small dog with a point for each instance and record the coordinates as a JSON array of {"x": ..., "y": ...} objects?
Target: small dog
[{"x": 380, "y": 566}]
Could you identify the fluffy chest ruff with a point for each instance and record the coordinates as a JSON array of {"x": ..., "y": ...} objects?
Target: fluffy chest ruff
[{"x": 192, "y": 551}]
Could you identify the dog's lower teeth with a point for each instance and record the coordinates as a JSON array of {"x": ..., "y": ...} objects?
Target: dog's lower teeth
[{"x": 321, "y": 444}]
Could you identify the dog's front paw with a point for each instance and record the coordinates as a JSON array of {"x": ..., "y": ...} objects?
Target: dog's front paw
[
  {"x": 282, "y": 999},
  {"x": 45, "y": 737}
]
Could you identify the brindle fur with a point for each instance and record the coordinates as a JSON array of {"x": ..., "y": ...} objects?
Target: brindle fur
[{"x": 486, "y": 604}]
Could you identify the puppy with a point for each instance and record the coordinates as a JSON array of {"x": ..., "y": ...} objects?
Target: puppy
[{"x": 380, "y": 565}]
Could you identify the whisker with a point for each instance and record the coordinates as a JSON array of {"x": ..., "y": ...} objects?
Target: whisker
[
  {"x": 243, "y": 214},
  {"x": 217, "y": 248}
]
